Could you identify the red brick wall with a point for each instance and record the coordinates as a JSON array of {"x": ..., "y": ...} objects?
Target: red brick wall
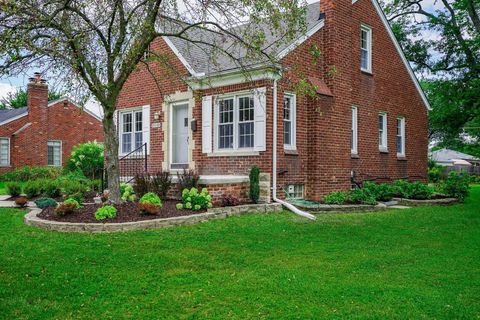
[
  {"x": 62, "y": 121},
  {"x": 324, "y": 161}
]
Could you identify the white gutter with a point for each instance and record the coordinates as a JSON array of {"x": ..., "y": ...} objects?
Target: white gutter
[{"x": 289, "y": 206}]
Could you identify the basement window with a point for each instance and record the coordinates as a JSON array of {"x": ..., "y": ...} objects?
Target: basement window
[
  {"x": 295, "y": 191},
  {"x": 54, "y": 153}
]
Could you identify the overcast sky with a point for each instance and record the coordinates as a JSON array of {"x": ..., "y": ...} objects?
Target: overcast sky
[{"x": 10, "y": 84}]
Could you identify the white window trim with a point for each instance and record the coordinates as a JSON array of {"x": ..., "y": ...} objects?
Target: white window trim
[
  {"x": 61, "y": 153},
  {"x": 293, "y": 111},
  {"x": 402, "y": 132},
  {"x": 383, "y": 147},
  {"x": 120, "y": 129},
  {"x": 235, "y": 150},
  {"x": 354, "y": 149},
  {"x": 8, "y": 161},
  {"x": 369, "y": 48}
]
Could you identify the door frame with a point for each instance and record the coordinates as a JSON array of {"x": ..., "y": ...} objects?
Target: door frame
[{"x": 170, "y": 135}]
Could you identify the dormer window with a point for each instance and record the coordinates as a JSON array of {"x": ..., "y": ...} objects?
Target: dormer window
[{"x": 366, "y": 49}]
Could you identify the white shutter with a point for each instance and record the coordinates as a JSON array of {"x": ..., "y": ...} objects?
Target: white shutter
[
  {"x": 260, "y": 106},
  {"x": 146, "y": 126},
  {"x": 207, "y": 124}
]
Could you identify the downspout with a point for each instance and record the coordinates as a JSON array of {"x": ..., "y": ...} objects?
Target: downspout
[{"x": 289, "y": 206}]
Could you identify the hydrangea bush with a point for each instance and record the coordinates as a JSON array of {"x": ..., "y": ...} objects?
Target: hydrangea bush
[{"x": 194, "y": 200}]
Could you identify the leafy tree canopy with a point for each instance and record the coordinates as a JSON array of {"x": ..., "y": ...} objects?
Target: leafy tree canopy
[{"x": 18, "y": 99}]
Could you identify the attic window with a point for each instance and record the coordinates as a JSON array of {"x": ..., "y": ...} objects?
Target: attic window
[{"x": 366, "y": 49}]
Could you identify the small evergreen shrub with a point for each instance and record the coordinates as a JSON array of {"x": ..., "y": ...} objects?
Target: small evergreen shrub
[
  {"x": 161, "y": 182},
  {"x": 457, "y": 185},
  {"x": 14, "y": 189},
  {"x": 105, "y": 212},
  {"x": 43, "y": 203},
  {"x": 151, "y": 198},
  {"x": 51, "y": 189},
  {"x": 188, "y": 179},
  {"x": 21, "y": 202},
  {"x": 95, "y": 185},
  {"x": 65, "y": 208},
  {"x": 194, "y": 200},
  {"x": 254, "y": 184},
  {"x": 33, "y": 189},
  {"x": 335, "y": 198}
]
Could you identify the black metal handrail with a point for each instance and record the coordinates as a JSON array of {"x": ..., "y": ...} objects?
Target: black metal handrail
[{"x": 130, "y": 162}]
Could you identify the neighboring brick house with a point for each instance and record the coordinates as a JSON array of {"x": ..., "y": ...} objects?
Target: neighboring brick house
[
  {"x": 367, "y": 122},
  {"x": 43, "y": 133}
]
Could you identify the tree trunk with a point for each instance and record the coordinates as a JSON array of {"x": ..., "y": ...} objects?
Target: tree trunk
[{"x": 111, "y": 152}]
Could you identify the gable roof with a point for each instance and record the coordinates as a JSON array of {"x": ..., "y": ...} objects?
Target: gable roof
[
  {"x": 9, "y": 115},
  {"x": 201, "y": 61},
  {"x": 446, "y": 155}
]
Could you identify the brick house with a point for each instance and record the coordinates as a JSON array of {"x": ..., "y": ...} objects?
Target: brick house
[
  {"x": 43, "y": 133},
  {"x": 368, "y": 120}
]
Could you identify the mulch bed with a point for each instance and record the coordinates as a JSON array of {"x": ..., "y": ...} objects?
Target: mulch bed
[
  {"x": 88, "y": 198},
  {"x": 126, "y": 212}
]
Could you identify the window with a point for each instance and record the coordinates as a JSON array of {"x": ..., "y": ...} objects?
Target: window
[
  {"x": 236, "y": 127},
  {"x": 354, "y": 138},
  {"x": 295, "y": 191},
  {"x": 382, "y": 131},
  {"x": 131, "y": 131},
  {"x": 54, "y": 153},
  {"x": 289, "y": 121},
  {"x": 4, "y": 152},
  {"x": 366, "y": 49},
  {"x": 400, "y": 136}
]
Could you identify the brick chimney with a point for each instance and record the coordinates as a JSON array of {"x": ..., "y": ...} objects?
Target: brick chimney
[{"x": 37, "y": 103}]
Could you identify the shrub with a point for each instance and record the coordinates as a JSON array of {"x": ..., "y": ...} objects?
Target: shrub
[
  {"x": 43, "y": 203},
  {"x": 402, "y": 188},
  {"x": 435, "y": 173},
  {"x": 21, "y": 202},
  {"x": 141, "y": 184},
  {"x": 14, "y": 189},
  {"x": 335, "y": 198},
  {"x": 51, "y": 189},
  {"x": 194, "y": 200},
  {"x": 31, "y": 173},
  {"x": 149, "y": 208},
  {"x": 457, "y": 185},
  {"x": 179, "y": 206},
  {"x": 33, "y": 189},
  {"x": 76, "y": 196},
  {"x": 188, "y": 179},
  {"x": 87, "y": 158},
  {"x": 151, "y": 198},
  {"x": 95, "y": 185},
  {"x": 419, "y": 191},
  {"x": 381, "y": 192},
  {"x": 229, "y": 201},
  {"x": 127, "y": 192},
  {"x": 161, "y": 182},
  {"x": 73, "y": 187},
  {"x": 254, "y": 184},
  {"x": 72, "y": 201},
  {"x": 105, "y": 212},
  {"x": 65, "y": 208},
  {"x": 73, "y": 176},
  {"x": 359, "y": 196}
]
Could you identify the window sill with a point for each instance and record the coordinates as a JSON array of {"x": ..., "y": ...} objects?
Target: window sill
[
  {"x": 291, "y": 152},
  {"x": 234, "y": 154},
  {"x": 355, "y": 156},
  {"x": 5, "y": 166},
  {"x": 366, "y": 72},
  {"x": 383, "y": 150},
  {"x": 401, "y": 157}
]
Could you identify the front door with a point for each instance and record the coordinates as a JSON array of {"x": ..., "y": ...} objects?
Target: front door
[{"x": 179, "y": 136}]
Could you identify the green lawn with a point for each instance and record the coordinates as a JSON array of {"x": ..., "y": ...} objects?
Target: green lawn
[{"x": 418, "y": 263}]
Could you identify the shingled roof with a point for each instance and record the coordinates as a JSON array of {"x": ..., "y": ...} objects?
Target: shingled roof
[
  {"x": 8, "y": 114},
  {"x": 203, "y": 59}
]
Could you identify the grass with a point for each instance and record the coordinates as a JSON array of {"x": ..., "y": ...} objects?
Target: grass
[{"x": 416, "y": 263}]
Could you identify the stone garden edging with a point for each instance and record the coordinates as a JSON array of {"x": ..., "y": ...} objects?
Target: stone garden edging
[
  {"x": 344, "y": 208},
  {"x": 32, "y": 219},
  {"x": 429, "y": 202}
]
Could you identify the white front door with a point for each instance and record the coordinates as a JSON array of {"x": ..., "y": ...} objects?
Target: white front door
[{"x": 179, "y": 136}]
